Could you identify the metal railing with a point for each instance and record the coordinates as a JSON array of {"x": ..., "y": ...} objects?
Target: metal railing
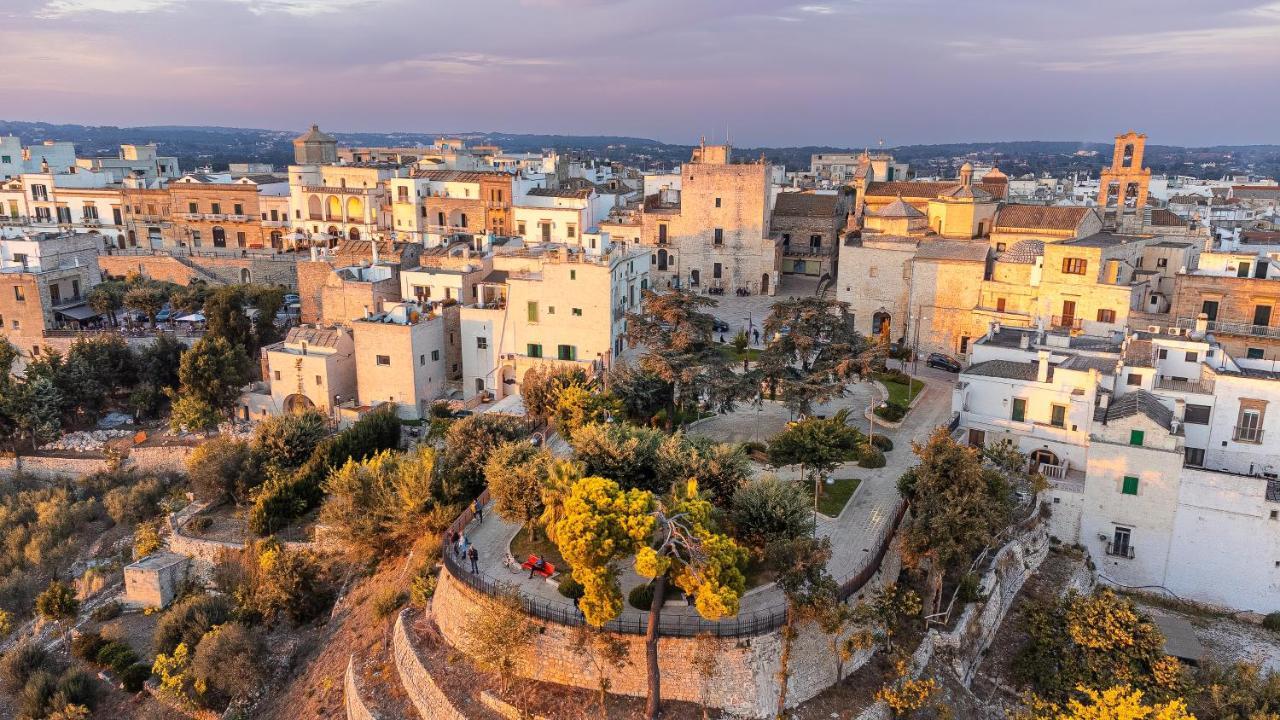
[
  {"x": 1247, "y": 434},
  {"x": 1204, "y": 386},
  {"x": 1067, "y": 322},
  {"x": 1230, "y": 328},
  {"x": 669, "y": 624},
  {"x": 1124, "y": 551}
]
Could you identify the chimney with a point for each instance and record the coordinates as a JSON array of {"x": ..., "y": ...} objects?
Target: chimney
[
  {"x": 373, "y": 245},
  {"x": 1042, "y": 366},
  {"x": 313, "y": 253},
  {"x": 1202, "y": 324},
  {"x": 1104, "y": 400},
  {"x": 1179, "y": 409},
  {"x": 1024, "y": 341},
  {"x": 1113, "y": 272}
]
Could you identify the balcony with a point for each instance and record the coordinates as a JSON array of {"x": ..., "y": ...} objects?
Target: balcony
[
  {"x": 1123, "y": 551},
  {"x": 335, "y": 190},
  {"x": 14, "y": 219},
  {"x": 1204, "y": 386},
  {"x": 237, "y": 217},
  {"x": 1247, "y": 434},
  {"x": 1228, "y": 328},
  {"x": 1066, "y": 322}
]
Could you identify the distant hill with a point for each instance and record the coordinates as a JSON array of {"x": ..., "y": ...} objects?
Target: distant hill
[{"x": 216, "y": 146}]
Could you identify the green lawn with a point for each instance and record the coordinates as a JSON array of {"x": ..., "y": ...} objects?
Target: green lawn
[
  {"x": 522, "y": 547},
  {"x": 731, "y": 353},
  {"x": 835, "y": 496},
  {"x": 898, "y": 392}
]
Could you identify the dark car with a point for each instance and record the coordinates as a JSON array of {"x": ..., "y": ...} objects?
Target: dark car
[
  {"x": 719, "y": 325},
  {"x": 944, "y": 362}
]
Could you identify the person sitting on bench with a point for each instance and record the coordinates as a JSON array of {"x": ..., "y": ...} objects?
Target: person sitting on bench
[{"x": 538, "y": 566}]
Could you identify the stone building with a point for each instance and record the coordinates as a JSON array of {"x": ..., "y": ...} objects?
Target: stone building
[
  {"x": 216, "y": 212},
  {"x": 431, "y": 207},
  {"x": 155, "y": 580},
  {"x": 1123, "y": 185},
  {"x": 44, "y": 279},
  {"x": 808, "y": 226},
  {"x": 400, "y": 358},
  {"x": 312, "y": 368},
  {"x": 714, "y": 230},
  {"x": 315, "y": 147},
  {"x": 1046, "y": 223},
  {"x": 335, "y": 202},
  {"x": 1237, "y": 292}
]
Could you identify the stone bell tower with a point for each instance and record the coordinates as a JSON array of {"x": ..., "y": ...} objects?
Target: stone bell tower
[{"x": 1123, "y": 185}]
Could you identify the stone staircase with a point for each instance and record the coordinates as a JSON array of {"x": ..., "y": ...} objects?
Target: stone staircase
[{"x": 202, "y": 273}]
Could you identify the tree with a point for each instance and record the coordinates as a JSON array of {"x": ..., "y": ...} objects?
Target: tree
[
  {"x": 189, "y": 298},
  {"x": 1114, "y": 703},
  {"x": 814, "y": 353},
  {"x": 286, "y": 441},
  {"x": 107, "y": 298},
  {"x": 719, "y": 468},
  {"x": 159, "y": 361},
  {"x": 1096, "y": 641},
  {"x": 577, "y": 406},
  {"x": 679, "y": 348},
  {"x": 603, "y": 650},
  {"x": 957, "y": 507},
  {"x": 190, "y": 413},
  {"x": 57, "y": 602},
  {"x": 223, "y": 468},
  {"x": 146, "y": 540},
  {"x": 36, "y": 409},
  {"x": 384, "y": 499},
  {"x": 467, "y": 445},
  {"x": 267, "y": 301},
  {"x": 769, "y": 510},
  {"x": 225, "y": 318},
  {"x": 541, "y": 386},
  {"x": 230, "y": 663},
  {"x": 516, "y": 472},
  {"x": 213, "y": 372},
  {"x": 809, "y": 589},
  {"x": 602, "y": 524},
  {"x": 818, "y": 446},
  {"x": 625, "y": 453},
  {"x": 280, "y": 582},
  {"x": 561, "y": 475},
  {"x": 496, "y": 638},
  {"x": 642, "y": 394}
]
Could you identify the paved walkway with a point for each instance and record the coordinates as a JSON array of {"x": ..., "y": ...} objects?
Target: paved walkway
[{"x": 853, "y": 534}]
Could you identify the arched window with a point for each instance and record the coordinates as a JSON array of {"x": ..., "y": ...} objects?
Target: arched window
[
  {"x": 354, "y": 233},
  {"x": 245, "y": 276},
  {"x": 277, "y": 239},
  {"x": 315, "y": 208},
  {"x": 355, "y": 210},
  {"x": 662, "y": 259},
  {"x": 219, "y": 236},
  {"x": 335, "y": 208}
]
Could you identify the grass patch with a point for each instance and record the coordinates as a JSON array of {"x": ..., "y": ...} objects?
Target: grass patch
[
  {"x": 522, "y": 547},
  {"x": 899, "y": 393},
  {"x": 835, "y": 496},
  {"x": 731, "y": 353}
]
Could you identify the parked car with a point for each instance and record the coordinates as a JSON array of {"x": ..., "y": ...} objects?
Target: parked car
[
  {"x": 164, "y": 315},
  {"x": 719, "y": 325},
  {"x": 944, "y": 362},
  {"x": 291, "y": 298}
]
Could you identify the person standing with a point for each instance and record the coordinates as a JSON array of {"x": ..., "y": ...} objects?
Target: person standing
[
  {"x": 477, "y": 509},
  {"x": 474, "y": 557}
]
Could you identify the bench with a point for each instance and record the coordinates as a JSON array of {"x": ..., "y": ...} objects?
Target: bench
[{"x": 547, "y": 571}]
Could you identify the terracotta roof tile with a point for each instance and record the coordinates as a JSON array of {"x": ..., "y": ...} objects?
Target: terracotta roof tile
[
  {"x": 1046, "y": 217},
  {"x": 795, "y": 204}
]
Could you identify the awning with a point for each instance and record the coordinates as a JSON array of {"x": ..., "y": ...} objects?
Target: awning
[
  {"x": 79, "y": 312},
  {"x": 193, "y": 317}
]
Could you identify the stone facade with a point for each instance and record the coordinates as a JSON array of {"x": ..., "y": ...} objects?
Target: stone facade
[
  {"x": 216, "y": 215},
  {"x": 155, "y": 580},
  {"x": 427, "y": 697},
  {"x": 182, "y": 268}
]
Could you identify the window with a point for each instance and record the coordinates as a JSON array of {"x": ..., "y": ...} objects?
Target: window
[
  {"x": 1243, "y": 270},
  {"x": 577, "y": 312},
  {"x": 383, "y": 359},
  {"x": 1000, "y": 247},
  {"x": 1196, "y": 414},
  {"x": 1249, "y": 425},
  {"x": 1134, "y": 380},
  {"x": 1000, "y": 304},
  {"x": 717, "y": 202},
  {"x": 16, "y": 324},
  {"x": 435, "y": 356},
  {"x": 39, "y": 192},
  {"x": 716, "y": 271},
  {"x": 19, "y": 294},
  {"x": 64, "y": 214},
  {"x": 786, "y": 239},
  {"x": 1136, "y": 437},
  {"x": 567, "y": 352},
  {"x": 1058, "y": 415},
  {"x": 319, "y": 380},
  {"x": 1253, "y": 353},
  {"x": 1074, "y": 266},
  {"x": 1121, "y": 542},
  {"x": 1019, "y": 409},
  {"x": 1193, "y": 456},
  {"x": 1262, "y": 315},
  {"x": 1210, "y": 309},
  {"x": 1162, "y": 354},
  {"x": 815, "y": 241},
  {"x": 662, "y": 233},
  {"x": 1162, "y": 262},
  {"x": 964, "y": 344},
  {"x": 482, "y": 342},
  {"x": 277, "y": 374},
  {"x": 422, "y": 360},
  {"x": 573, "y": 274},
  {"x": 1192, "y": 356},
  {"x": 238, "y": 209},
  {"x": 533, "y": 311},
  {"x": 1129, "y": 486},
  {"x": 551, "y": 309},
  {"x": 1106, "y": 316},
  {"x": 215, "y": 208},
  {"x": 719, "y": 236},
  {"x": 571, "y": 230},
  {"x": 534, "y": 350},
  {"x": 977, "y": 438}
]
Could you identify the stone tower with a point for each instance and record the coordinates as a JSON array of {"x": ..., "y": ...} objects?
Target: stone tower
[
  {"x": 314, "y": 147},
  {"x": 1122, "y": 187}
]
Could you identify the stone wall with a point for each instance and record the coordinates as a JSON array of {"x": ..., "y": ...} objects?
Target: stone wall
[
  {"x": 356, "y": 709},
  {"x": 214, "y": 269},
  {"x": 744, "y": 681},
  {"x": 159, "y": 458},
  {"x": 426, "y": 696}
]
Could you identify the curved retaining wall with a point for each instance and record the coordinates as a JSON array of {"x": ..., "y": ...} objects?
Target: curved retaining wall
[
  {"x": 427, "y": 697},
  {"x": 744, "y": 682},
  {"x": 356, "y": 709}
]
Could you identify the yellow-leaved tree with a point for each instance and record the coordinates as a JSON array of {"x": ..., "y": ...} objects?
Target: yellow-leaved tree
[
  {"x": 673, "y": 538},
  {"x": 1116, "y": 703}
]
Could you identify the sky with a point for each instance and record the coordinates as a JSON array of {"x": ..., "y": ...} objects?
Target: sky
[{"x": 762, "y": 72}]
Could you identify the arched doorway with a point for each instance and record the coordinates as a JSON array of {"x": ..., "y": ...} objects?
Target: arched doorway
[
  {"x": 693, "y": 278},
  {"x": 219, "y": 236},
  {"x": 354, "y": 233},
  {"x": 296, "y": 404},
  {"x": 335, "y": 208},
  {"x": 880, "y": 323},
  {"x": 277, "y": 239},
  {"x": 1042, "y": 456},
  {"x": 764, "y": 284},
  {"x": 315, "y": 208},
  {"x": 662, "y": 259},
  {"x": 246, "y": 277}
]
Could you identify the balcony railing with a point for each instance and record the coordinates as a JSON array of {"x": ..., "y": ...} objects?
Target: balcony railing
[
  {"x": 1053, "y": 472},
  {"x": 1229, "y": 328},
  {"x": 1204, "y": 386},
  {"x": 1066, "y": 322},
  {"x": 1124, "y": 551},
  {"x": 1247, "y": 434}
]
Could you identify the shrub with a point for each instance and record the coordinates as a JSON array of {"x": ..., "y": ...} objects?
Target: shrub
[
  {"x": 641, "y": 597},
  {"x": 189, "y": 619},
  {"x": 146, "y": 540},
  {"x": 570, "y": 587},
  {"x": 57, "y": 602},
  {"x": 892, "y": 412},
  {"x": 752, "y": 446},
  {"x": 223, "y": 468},
  {"x": 134, "y": 677},
  {"x": 279, "y": 581},
  {"x": 23, "y": 661},
  {"x": 768, "y": 510},
  {"x": 36, "y": 694},
  {"x": 387, "y": 601},
  {"x": 969, "y": 589},
  {"x": 107, "y": 611},
  {"x": 135, "y": 501},
  {"x": 199, "y": 523},
  {"x": 229, "y": 662},
  {"x": 895, "y": 376},
  {"x": 872, "y": 458},
  {"x": 286, "y": 441},
  {"x": 422, "y": 588},
  {"x": 87, "y": 644},
  {"x": 117, "y": 656},
  {"x": 76, "y": 687},
  {"x": 882, "y": 442},
  {"x": 1272, "y": 621}
]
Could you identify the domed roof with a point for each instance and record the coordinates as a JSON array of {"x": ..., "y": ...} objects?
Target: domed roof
[
  {"x": 315, "y": 135},
  {"x": 968, "y": 166},
  {"x": 899, "y": 209},
  {"x": 1023, "y": 252}
]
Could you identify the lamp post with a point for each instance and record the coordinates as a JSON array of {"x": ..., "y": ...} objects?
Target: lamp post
[{"x": 915, "y": 357}]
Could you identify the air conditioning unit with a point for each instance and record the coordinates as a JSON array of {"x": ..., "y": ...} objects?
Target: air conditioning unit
[
  {"x": 1174, "y": 331},
  {"x": 1153, "y": 329}
]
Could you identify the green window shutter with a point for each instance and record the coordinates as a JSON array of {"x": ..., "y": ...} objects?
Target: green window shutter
[
  {"x": 1019, "y": 409},
  {"x": 1130, "y": 485},
  {"x": 533, "y": 312},
  {"x": 1136, "y": 437},
  {"x": 534, "y": 350}
]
